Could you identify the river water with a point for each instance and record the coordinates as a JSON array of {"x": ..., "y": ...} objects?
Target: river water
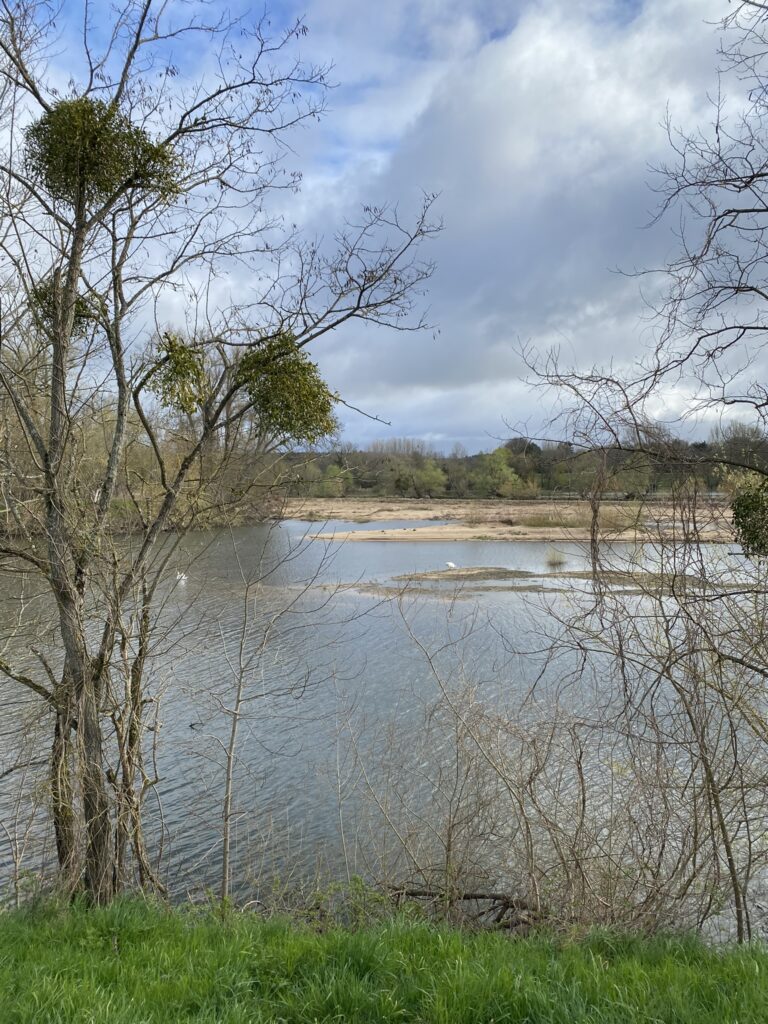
[
  {"x": 330, "y": 647},
  {"x": 340, "y": 663},
  {"x": 343, "y": 657}
]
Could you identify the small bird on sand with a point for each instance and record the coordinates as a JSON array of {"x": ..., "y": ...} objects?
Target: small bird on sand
[{"x": 451, "y": 565}]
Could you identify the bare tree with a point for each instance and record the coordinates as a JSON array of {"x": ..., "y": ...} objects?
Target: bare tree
[
  {"x": 148, "y": 178},
  {"x": 625, "y": 786},
  {"x": 694, "y": 642},
  {"x": 710, "y": 299},
  {"x": 257, "y": 685},
  {"x": 674, "y": 626}
]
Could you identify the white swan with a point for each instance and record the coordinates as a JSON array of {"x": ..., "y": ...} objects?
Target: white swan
[{"x": 451, "y": 565}]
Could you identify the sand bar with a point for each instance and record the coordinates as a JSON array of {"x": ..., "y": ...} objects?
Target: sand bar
[{"x": 545, "y": 520}]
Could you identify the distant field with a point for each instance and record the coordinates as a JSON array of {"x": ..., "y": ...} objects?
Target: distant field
[{"x": 134, "y": 964}]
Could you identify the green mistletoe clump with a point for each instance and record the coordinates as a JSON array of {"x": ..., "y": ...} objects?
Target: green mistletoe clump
[
  {"x": 44, "y": 302},
  {"x": 288, "y": 394},
  {"x": 179, "y": 380},
  {"x": 84, "y": 151}
]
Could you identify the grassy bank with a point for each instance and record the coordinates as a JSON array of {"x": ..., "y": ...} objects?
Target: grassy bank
[{"x": 132, "y": 963}]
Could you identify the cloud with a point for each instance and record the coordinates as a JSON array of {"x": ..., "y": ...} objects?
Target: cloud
[
  {"x": 538, "y": 130},
  {"x": 536, "y": 121}
]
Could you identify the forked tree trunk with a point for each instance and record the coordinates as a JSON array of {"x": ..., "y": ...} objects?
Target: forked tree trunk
[{"x": 129, "y": 786}]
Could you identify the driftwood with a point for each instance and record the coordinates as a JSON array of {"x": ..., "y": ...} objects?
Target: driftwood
[{"x": 500, "y": 910}]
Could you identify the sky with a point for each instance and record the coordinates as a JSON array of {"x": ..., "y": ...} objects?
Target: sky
[{"x": 538, "y": 123}]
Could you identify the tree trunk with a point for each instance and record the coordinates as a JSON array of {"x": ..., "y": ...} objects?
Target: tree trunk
[
  {"x": 131, "y": 784},
  {"x": 99, "y": 868},
  {"x": 62, "y": 803}
]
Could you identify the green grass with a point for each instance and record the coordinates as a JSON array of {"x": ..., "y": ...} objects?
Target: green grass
[{"x": 140, "y": 964}]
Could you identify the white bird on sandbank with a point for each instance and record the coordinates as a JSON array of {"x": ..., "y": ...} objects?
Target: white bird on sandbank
[{"x": 451, "y": 565}]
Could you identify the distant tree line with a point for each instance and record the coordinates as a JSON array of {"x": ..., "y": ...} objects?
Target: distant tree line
[{"x": 524, "y": 468}]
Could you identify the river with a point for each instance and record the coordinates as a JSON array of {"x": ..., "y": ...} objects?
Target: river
[
  {"x": 342, "y": 661},
  {"x": 337, "y": 662}
]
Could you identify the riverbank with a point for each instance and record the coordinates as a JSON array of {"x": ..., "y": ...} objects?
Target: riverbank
[
  {"x": 133, "y": 962},
  {"x": 542, "y": 520}
]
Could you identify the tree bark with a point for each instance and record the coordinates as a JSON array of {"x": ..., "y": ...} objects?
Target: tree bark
[
  {"x": 62, "y": 799},
  {"x": 99, "y": 875}
]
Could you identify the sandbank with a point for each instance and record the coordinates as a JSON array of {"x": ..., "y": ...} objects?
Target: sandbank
[{"x": 546, "y": 520}]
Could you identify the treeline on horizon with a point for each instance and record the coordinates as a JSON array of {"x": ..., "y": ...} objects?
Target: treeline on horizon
[
  {"x": 239, "y": 482},
  {"x": 523, "y": 468}
]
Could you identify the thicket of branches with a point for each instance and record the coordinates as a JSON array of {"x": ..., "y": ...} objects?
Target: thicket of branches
[
  {"x": 131, "y": 387},
  {"x": 611, "y": 768}
]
